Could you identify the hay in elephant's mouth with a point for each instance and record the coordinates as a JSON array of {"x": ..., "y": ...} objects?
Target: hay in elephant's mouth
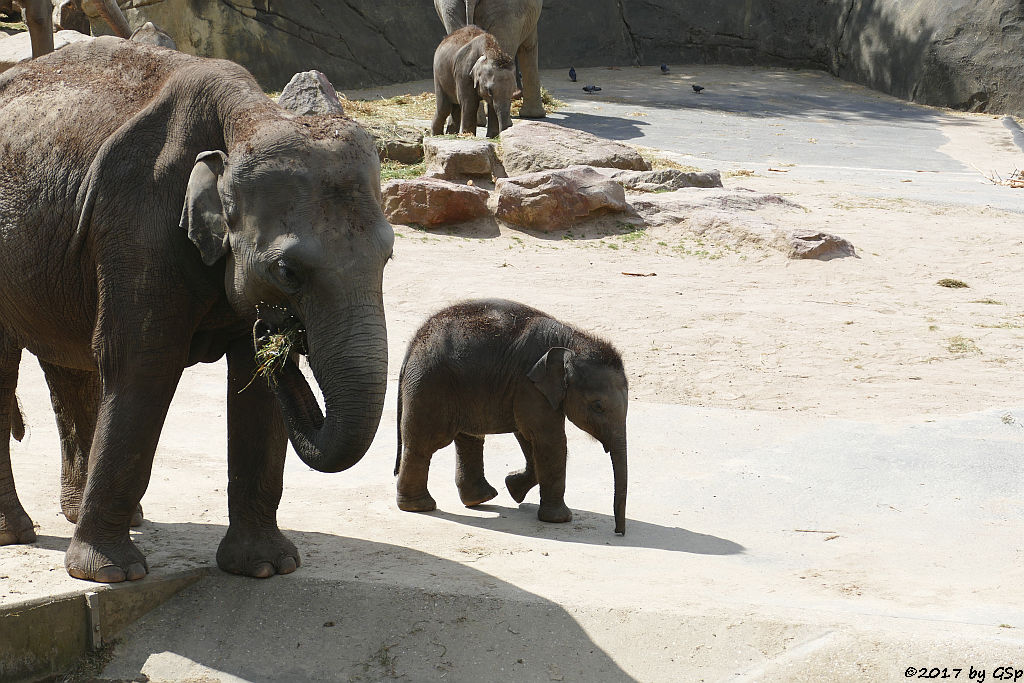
[{"x": 273, "y": 350}]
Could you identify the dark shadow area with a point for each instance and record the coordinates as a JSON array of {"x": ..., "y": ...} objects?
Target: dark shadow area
[
  {"x": 594, "y": 528},
  {"x": 596, "y": 226},
  {"x": 60, "y": 543},
  {"x": 356, "y": 611},
  {"x": 481, "y": 228},
  {"x": 610, "y": 127}
]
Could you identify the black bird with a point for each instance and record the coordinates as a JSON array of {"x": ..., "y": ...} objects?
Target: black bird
[
  {"x": 697, "y": 88},
  {"x": 572, "y": 74},
  {"x": 664, "y": 68},
  {"x": 591, "y": 88}
]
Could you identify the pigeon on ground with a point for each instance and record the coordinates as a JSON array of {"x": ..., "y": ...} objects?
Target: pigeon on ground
[
  {"x": 697, "y": 88},
  {"x": 591, "y": 88},
  {"x": 572, "y": 74},
  {"x": 664, "y": 68}
]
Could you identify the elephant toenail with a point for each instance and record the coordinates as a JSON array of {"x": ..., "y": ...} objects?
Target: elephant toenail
[
  {"x": 286, "y": 565},
  {"x": 110, "y": 574},
  {"x": 264, "y": 570}
]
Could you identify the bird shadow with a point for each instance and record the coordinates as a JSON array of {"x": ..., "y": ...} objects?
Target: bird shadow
[{"x": 593, "y": 528}]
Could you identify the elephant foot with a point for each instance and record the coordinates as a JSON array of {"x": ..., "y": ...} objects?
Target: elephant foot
[
  {"x": 70, "y": 512},
  {"x": 554, "y": 513},
  {"x": 16, "y": 529},
  {"x": 259, "y": 553},
  {"x": 532, "y": 111},
  {"x": 424, "y": 503},
  {"x": 112, "y": 563},
  {"x": 519, "y": 484},
  {"x": 477, "y": 494}
]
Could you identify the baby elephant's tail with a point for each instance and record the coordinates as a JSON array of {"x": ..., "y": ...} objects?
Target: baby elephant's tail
[
  {"x": 398, "y": 457},
  {"x": 17, "y": 421}
]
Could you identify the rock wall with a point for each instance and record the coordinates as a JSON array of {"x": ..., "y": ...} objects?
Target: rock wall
[{"x": 960, "y": 53}]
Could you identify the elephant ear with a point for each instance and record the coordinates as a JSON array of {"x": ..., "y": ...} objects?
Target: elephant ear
[
  {"x": 477, "y": 67},
  {"x": 549, "y": 374},
  {"x": 203, "y": 215}
]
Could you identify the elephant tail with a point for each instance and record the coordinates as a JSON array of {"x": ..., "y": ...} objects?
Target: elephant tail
[
  {"x": 17, "y": 421},
  {"x": 398, "y": 457}
]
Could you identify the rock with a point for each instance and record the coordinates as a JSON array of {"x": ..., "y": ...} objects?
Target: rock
[
  {"x": 665, "y": 180},
  {"x": 68, "y": 15},
  {"x": 310, "y": 93},
  {"x": 531, "y": 146},
  {"x": 552, "y": 200},
  {"x": 403, "y": 144},
  {"x": 729, "y": 216},
  {"x": 18, "y": 48},
  {"x": 432, "y": 202},
  {"x": 458, "y": 158}
]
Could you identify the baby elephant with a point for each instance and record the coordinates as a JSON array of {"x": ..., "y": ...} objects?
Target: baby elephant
[
  {"x": 494, "y": 367},
  {"x": 469, "y": 67}
]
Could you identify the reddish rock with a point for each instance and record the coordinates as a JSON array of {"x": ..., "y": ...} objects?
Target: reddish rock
[
  {"x": 552, "y": 200},
  {"x": 432, "y": 202}
]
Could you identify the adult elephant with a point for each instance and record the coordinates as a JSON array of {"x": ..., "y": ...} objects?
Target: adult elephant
[
  {"x": 175, "y": 213},
  {"x": 514, "y": 24},
  {"x": 39, "y": 19}
]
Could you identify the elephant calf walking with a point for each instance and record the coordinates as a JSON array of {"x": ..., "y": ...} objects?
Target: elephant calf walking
[{"x": 495, "y": 366}]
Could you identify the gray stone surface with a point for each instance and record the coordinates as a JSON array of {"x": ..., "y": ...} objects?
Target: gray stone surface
[
  {"x": 531, "y": 146},
  {"x": 309, "y": 93},
  {"x": 960, "y": 53},
  {"x": 666, "y": 179},
  {"x": 553, "y": 200},
  {"x": 458, "y": 158}
]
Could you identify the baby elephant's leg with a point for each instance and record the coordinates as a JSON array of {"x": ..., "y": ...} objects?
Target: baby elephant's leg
[
  {"x": 412, "y": 479},
  {"x": 469, "y": 471},
  {"x": 521, "y": 481}
]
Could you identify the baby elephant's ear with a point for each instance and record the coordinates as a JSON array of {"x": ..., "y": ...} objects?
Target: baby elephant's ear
[
  {"x": 549, "y": 374},
  {"x": 203, "y": 214}
]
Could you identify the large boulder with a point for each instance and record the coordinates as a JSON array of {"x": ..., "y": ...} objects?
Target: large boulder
[
  {"x": 531, "y": 146},
  {"x": 664, "y": 179},
  {"x": 730, "y": 216},
  {"x": 460, "y": 158},
  {"x": 552, "y": 200},
  {"x": 431, "y": 202},
  {"x": 309, "y": 93}
]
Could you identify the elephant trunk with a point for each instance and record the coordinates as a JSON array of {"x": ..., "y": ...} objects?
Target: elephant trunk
[
  {"x": 618, "y": 455},
  {"x": 348, "y": 355}
]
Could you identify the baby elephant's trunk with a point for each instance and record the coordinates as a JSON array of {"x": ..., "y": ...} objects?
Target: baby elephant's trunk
[{"x": 618, "y": 454}]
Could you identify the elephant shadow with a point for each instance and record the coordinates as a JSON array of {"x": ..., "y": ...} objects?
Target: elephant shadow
[
  {"x": 594, "y": 528},
  {"x": 355, "y": 610}
]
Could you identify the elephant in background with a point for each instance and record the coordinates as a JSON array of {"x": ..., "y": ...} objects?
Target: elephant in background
[
  {"x": 494, "y": 367},
  {"x": 39, "y": 19},
  {"x": 514, "y": 24},
  {"x": 470, "y": 68},
  {"x": 241, "y": 222}
]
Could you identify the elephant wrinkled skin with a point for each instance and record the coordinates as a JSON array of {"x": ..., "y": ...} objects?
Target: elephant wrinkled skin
[
  {"x": 495, "y": 367},
  {"x": 514, "y": 24},
  {"x": 175, "y": 212}
]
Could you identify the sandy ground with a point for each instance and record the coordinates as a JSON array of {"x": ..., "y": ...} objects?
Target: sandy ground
[{"x": 906, "y": 393}]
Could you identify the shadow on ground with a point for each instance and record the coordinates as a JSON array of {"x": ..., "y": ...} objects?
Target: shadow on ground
[
  {"x": 595, "y": 529},
  {"x": 357, "y": 611}
]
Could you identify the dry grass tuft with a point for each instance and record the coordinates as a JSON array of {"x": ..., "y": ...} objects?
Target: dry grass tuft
[{"x": 951, "y": 283}]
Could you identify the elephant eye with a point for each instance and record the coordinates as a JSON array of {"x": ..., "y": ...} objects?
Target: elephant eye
[
  {"x": 285, "y": 273},
  {"x": 597, "y": 407}
]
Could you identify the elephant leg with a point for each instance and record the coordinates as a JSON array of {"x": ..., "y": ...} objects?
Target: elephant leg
[
  {"x": 492, "y": 121},
  {"x": 40, "y": 26},
  {"x": 420, "y": 440},
  {"x": 15, "y": 524},
  {"x": 135, "y": 397},
  {"x": 533, "y": 107},
  {"x": 521, "y": 481},
  {"x": 455, "y": 120},
  {"x": 257, "y": 443},
  {"x": 442, "y": 111},
  {"x": 549, "y": 453},
  {"x": 469, "y": 106},
  {"x": 469, "y": 471},
  {"x": 75, "y": 395}
]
